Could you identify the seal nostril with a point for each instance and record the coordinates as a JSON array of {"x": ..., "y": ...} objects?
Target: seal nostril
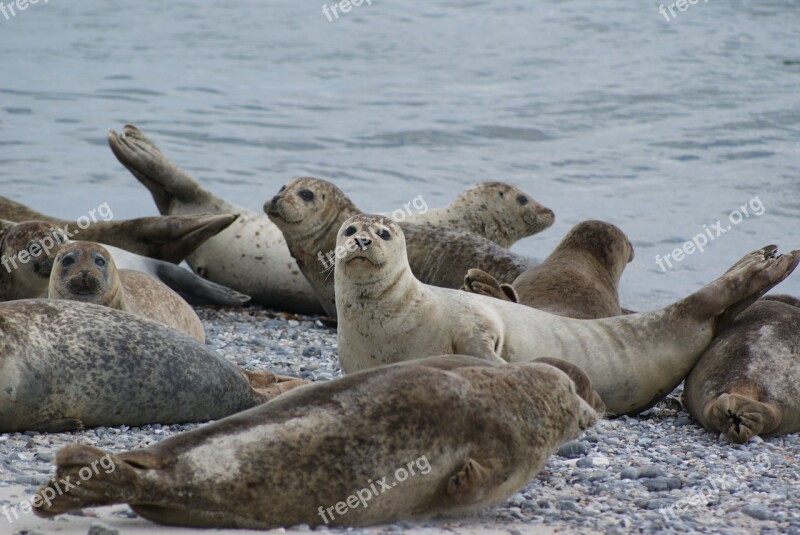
[{"x": 363, "y": 243}]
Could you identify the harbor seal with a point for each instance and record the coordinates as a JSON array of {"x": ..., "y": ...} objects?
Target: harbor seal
[
  {"x": 85, "y": 271},
  {"x": 170, "y": 238},
  {"x": 386, "y": 315},
  {"x": 399, "y": 442},
  {"x": 27, "y": 251},
  {"x": 249, "y": 256},
  {"x": 580, "y": 278},
  {"x": 309, "y": 211},
  {"x": 495, "y": 210},
  {"x": 747, "y": 382},
  {"x": 66, "y": 365}
]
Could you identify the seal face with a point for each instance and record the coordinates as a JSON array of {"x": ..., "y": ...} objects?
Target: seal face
[
  {"x": 747, "y": 382},
  {"x": 309, "y": 211},
  {"x": 386, "y": 315},
  {"x": 442, "y": 436},
  {"x": 85, "y": 271},
  {"x": 580, "y": 278},
  {"x": 26, "y": 254},
  {"x": 496, "y": 211}
]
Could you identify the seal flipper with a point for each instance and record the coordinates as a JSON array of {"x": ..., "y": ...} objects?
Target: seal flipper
[
  {"x": 740, "y": 417},
  {"x": 166, "y": 181},
  {"x": 114, "y": 479},
  {"x": 479, "y": 282},
  {"x": 197, "y": 290},
  {"x": 269, "y": 385},
  {"x": 471, "y": 484}
]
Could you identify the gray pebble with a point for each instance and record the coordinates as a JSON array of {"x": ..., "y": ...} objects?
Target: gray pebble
[
  {"x": 759, "y": 512},
  {"x": 572, "y": 450},
  {"x": 98, "y": 528}
]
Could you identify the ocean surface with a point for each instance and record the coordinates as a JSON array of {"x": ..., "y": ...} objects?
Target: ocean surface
[{"x": 598, "y": 109}]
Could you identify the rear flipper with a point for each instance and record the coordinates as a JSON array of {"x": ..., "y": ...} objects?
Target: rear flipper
[
  {"x": 168, "y": 238},
  {"x": 89, "y": 477},
  {"x": 165, "y": 180},
  {"x": 197, "y": 290},
  {"x": 743, "y": 284},
  {"x": 269, "y": 385},
  {"x": 479, "y": 282},
  {"x": 740, "y": 417}
]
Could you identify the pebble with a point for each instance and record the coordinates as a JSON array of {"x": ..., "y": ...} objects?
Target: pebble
[{"x": 572, "y": 450}]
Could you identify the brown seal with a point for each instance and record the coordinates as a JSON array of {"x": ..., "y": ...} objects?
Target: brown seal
[
  {"x": 747, "y": 382},
  {"x": 495, "y": 210},
  {"x": 387, "y": 315},
  {"x": 26, "y": 257},
  {"x": 442, "y": 436},
  {"x": 85, "y": 271},
  {"x": 580, "y": 278},
  {"x": 171, "y": 238},
  {"x": 66, "y": 365},
  {"x": 310, "y": 210}
]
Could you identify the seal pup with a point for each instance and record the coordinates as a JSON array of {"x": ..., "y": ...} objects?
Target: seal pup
[
  {"x": 66, "y": 365},
  {"x": 580, "y": 278},
  {"x": 170, "y": 238},
  {"x": 495, "y": 210},
  {"x": 386, "y": 315},
  {"x": 26, "y": 257},
  {"x": 40, "y": 242},
  {"x": 84, "y": 271},
  {"x": 309, "y": 211},
  {"x": 249, "y": 256},
  {"x": 452, "y": 440},
  {"x": 748, "y": 380}
]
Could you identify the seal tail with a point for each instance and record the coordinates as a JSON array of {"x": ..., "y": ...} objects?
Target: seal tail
[
  {"x": 741, "y": 417},
  {"x": 196, "y": 290},
  {"x": 166, "y": 181},
  {"x": 89, "y": 477}
]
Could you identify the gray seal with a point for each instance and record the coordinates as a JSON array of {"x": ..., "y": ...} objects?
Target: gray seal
[
  {"x": 66, "y": 365},
  {"x": 580, "y": 278},
  {"x": 310, "y": 210},
  {"x": 442, "y": 436},
  {"x": 86, "y": 272},
  {"x": 387, "y": 315},
  {"x": 747, "y": 382}
]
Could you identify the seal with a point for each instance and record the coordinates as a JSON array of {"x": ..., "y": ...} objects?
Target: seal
[
  {"x": 495, "y": 210},
  {"x": 309, "y": 211},
  {"x": 85, "y": 271},
  {"x": 240, "y": 256},
  {"x": 399, "y": 442},
  {"x": 66, "y": 365},
  {"x": 580, "y": 278},
  {"x": 40, "y": 242},
  {"x": 747, "y": 382},
  {"x": 171, "y": 239},
  {"x": 26, "y": 259},
  {"x": 386, "y": 315}
]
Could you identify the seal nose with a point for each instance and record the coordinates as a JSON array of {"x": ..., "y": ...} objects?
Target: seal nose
[{"x": 363, "y": 243}]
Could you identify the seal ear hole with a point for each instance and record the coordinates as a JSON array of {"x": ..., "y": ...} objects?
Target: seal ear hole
[
  {"x": 306, "y": 194},
  {"x": 349, "y": 231},
  {"x": 384, "y": 234},
  {"x": 522, "y": 199},
  {"x": 500, "y": 193}
]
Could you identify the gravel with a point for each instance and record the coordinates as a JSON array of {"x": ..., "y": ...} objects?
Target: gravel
[{"x": 656, "y": 473}]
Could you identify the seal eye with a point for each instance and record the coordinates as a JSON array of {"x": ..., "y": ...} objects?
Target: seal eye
[
  {"x": 282, "y": 188},
  {"x": 522, "y": 199},
  {"x": 100, "y": 261},
  {"x": 67, "y": 261},
  {"x": 349, "y": 231},
  {"x": 384, "y": 234},
  {"x": 306, "y": 194}
]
